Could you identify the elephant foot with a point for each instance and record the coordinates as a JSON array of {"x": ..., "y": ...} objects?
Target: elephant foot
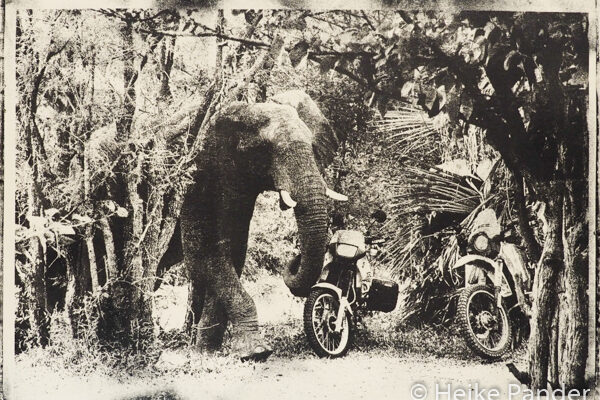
[
  {"x": 259, "y": 353},
  {"x": 248, "y": 343}
]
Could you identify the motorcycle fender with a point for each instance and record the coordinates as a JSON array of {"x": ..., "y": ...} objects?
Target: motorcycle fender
[
  {"x": 329, "y": 286},
  {"x": 337, "y": 291},
  {"x": 490, "y": 266},
  {"x": 327, "y": 260}
]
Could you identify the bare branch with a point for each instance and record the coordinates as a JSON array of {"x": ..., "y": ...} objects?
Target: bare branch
[
  {"x": 364, "y": 15},
  {"x": 248, "y": 42},
  {"x": 370, "y": 85}
]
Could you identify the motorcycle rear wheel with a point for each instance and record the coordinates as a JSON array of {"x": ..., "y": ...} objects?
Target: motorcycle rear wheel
[
  {"x": 486, "y": 334},
  {"x": 320, "y": 312}
]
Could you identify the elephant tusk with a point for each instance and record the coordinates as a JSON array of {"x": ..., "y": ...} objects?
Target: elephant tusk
[
  {"x": 335, "y": 195},
  {"x": 287, "y": 199}
]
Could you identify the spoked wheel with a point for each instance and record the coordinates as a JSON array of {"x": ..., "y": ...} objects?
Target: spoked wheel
[
  {"x": 486, "y": 329},
  {"x": 320, "y": 313}
]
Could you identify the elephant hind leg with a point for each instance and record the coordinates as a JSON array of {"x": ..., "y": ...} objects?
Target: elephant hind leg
[{"x": 213, "y": 325}]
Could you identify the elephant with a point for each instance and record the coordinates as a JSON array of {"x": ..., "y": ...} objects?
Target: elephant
[{"x": 281, "y": 145}]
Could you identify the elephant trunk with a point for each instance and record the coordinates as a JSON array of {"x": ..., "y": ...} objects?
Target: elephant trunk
[{"x": 311, "y": 218}]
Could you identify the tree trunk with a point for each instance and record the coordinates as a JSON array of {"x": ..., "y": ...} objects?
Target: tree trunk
[
  {"x": 89, "y": 244},
  {"x": 573, "y": 304},
  {"x": 544, "y": 289},
  {"x": 134, "y": 261},
  {"x": 554, "y": 350},
  {"x": 109, "y": 244},
  {"x": 127, "y": 313},
  {"x": 77, "y": 285},
  {"x": 36, "y": 280},
  {"x": 166, "y": 64},
  {"x": 129, "y": 76}
]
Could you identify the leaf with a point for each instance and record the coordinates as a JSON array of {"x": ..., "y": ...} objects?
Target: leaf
[
  {"x": 50, "y": 212},
  {"x": 480, "y": 45},
  {"x": 110, "y": 205},
  {"x": 389, "y": 49},
  {"x": 466, "y": 108},
  {"x": 380, "y": 63},
  {"x": 82, "y": 218},
  {"x": 326, "y": 64},
  {"x": 303, "y": 64},
  {"x": 122, "y": 212},
  {"x": 417, "y": 73},
  {"x": 36, "y": 222},
  {"x": 61, "y": 228},
  {"x": 407, "y": 89},
  {"x": 298, "y": 52},
  {"x": 346, "y": 37},
  {"x": 441, "y": 95}
]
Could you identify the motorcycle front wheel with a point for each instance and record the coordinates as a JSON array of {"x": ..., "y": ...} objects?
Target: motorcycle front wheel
[
  {"x": 320, "y": 313},
  {"x": 486, "y": 329}
]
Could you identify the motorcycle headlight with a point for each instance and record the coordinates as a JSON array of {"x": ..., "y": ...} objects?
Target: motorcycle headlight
[
  {"x": 346, "y": 250},
  {"x": 481, "y": 243}
]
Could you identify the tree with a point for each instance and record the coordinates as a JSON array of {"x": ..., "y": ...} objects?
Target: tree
[
  {"x": 520, "y": 77},
  {"x": 104, "y": 178}
]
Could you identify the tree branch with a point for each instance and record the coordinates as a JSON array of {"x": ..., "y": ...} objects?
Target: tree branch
[
  {"x": 405, "y": 16},
  {"x": 343, "y": 53},
  {"x": 369, "y": 85},
  {"x": 533, "y": 246},
  {"x": 314, "y": 16},
  {"x": 248, "y": 42},
  {"x": 364, "y": 15}
]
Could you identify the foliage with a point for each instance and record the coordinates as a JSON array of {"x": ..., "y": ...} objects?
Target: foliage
[{"x": 78, "y": 151}]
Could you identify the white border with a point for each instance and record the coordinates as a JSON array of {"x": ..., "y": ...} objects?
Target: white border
[
  {"x": 581, "y": 6},
  {"x": 592, "y": 198},
  {"x": 10, "y": 139}
]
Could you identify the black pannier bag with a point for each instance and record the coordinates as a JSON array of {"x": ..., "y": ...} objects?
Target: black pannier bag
[{"x": 383, "y": 295}]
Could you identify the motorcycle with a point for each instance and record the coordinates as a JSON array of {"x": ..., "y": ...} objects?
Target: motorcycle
[
  {"x": 497, "y": 283},
  {"x": 346, "y": 287}
]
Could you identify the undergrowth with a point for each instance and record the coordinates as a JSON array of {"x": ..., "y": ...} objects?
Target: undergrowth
[{"x": 173, "y": 354}]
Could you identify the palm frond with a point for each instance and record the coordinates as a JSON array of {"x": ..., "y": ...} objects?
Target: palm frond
[
  {"x": 408, "y": 128},
  {"x": 430, "y": 189}
]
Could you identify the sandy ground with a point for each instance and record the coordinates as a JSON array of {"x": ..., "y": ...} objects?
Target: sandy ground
[{"x": 359, "y": 375}]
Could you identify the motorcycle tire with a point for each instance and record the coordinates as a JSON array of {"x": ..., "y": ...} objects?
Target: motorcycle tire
[
  {"x": 478, "y": 322},
  {"x": 320, "y": 312}
]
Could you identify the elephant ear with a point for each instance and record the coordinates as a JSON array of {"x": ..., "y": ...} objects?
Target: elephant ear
[{"x": 325, "y": 140}]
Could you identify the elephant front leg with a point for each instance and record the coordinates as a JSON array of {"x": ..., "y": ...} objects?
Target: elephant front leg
[{"x": 212, "y": 325}]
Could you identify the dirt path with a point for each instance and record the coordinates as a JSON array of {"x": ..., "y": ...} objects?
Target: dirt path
[
  {"x": 292, "y": 373},
  {"x": 359, "y": 375},
  {"x": 354, "y": 377}
]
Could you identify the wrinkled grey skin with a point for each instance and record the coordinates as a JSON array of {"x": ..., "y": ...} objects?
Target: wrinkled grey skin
[{"x": 280, "y": 145}]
